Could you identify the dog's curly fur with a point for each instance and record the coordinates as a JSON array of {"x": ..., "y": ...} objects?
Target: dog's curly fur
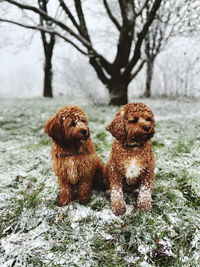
[
  {"x": 74, "y": 159},
  {"x": 131, "y": 162}
]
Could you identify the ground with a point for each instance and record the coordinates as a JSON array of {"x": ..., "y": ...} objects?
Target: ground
[{"x": 35, "y": 232}]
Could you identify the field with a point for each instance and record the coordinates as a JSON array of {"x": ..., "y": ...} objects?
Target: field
[{"x": 35, "y": 232}]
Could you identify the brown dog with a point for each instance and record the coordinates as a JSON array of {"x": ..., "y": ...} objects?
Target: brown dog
[
  {"x": 131, "y": 162},
  {"x": 74, "y": 159}
]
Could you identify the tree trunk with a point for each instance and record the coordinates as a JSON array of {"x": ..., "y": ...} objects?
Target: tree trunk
[
  {"x": 48, "y": 73},
  {"x": 149, "y": 76},
  {"x": 118, "y": 93},
  {"x": 47, "y": 88}
]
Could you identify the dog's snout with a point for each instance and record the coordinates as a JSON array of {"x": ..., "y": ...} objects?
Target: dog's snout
[
  {"x": 83, "y": 132},
  {"x": 146, "y": 128}
]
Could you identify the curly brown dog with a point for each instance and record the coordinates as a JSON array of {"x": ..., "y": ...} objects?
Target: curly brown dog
[
  {"x": 131, "y": 162},
  {"x": 74, "y": 159}
]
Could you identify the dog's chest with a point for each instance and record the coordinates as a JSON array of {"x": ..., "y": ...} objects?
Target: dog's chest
[
  {"x": 72, "y": 171},
  {"x": 132, "y": 170}
]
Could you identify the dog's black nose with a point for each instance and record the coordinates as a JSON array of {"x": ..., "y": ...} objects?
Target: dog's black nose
[
  {"x": 146, "y": 128},
  {"x": 84, "y": 132}
]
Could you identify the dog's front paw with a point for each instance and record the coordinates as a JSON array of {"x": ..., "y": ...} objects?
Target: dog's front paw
[
  {"x": 63, "y": 200},
  {"x": 117, "y": 202},
  {"x": 145, "y": 205},
  {"x": 118, "y": 209},
  {"x": 84, "y": 193},
  {"x": 144, "y": 201},
  {"x": 85, "y": 199}
]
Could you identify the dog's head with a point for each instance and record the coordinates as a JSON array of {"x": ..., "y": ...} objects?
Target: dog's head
[
  {"x": 133, "y": 124},
  {"x": 68, "y": 126}
]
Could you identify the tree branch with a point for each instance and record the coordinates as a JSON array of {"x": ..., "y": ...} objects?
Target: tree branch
[
  {"x": 83, "y": 26},
  {"x": 122, "y": 8},
  {"x": 99, "y": 70},
  {"x": 141, "y": 36},
  {"x": 40, "y": 28},
  {"x": 142, "y": 8},
  {"x": 46, "y": 16},
  {"x": 81, "y": 38},
  {"x": 43, "y": 6},
  {"x": 113, "y": 19},
  {"x": 69, "y": 14},
  {"x": 137, "y": 70}
]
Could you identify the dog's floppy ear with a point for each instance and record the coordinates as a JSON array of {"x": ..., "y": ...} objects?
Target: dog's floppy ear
[
  {"x": 117, "y": 127},
  {"x": 54, "y": 128},
  {"x": 153, "y": 127}
]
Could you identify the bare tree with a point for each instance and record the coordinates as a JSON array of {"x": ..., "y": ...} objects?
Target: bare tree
[
  {"x": 182, "y": 63},
  {"x": 48, "y": 42},
  {"x": 172, "y": 19},
  {"x": 191, "y": 18},
  {"x": 116, "y": 75},
  {"x": 161, "y": 30}
]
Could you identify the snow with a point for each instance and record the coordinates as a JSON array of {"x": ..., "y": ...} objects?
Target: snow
[{"x": 34, "y": 231}]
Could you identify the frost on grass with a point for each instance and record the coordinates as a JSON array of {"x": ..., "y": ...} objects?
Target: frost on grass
[{"x": 35, "y": 232}]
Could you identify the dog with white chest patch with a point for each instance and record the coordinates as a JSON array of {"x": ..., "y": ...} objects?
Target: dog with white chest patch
[{"x": 131, "y": 163}]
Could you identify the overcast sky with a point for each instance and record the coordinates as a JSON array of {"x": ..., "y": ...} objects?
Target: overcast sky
[{"x": 20, "y": 60}]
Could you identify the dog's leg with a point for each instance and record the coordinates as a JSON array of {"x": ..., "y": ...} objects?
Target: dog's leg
[
  {"x": 85, "y": 191},
  {"x": 98, "y": 181},
  {"x": 117, "y": 200},
  {"x": 66, "y": 192},
  {"x": 145, "y": 189}
]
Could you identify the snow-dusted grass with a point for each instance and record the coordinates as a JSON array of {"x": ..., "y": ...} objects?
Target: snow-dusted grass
[{"x": 35, "y": 232}]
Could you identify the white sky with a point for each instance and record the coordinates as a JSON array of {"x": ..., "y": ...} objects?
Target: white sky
[
  {"x": 20, "y": 61},
  {"x": 12, "y": 61}
]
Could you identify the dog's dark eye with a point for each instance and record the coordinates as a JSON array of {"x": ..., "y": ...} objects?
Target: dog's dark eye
[
  {"x": 148, "y": 119},
  {"x": 135, "y": 120},
  {"x": 73, "y": 123}
]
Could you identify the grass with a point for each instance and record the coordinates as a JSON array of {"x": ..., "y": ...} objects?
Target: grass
[{"x": 35, "y": 232}]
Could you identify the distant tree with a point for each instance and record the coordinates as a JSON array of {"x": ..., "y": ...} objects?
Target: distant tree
[
  {"x": 191, "y": 18},
  {"x": 180, "y": 68},
  {"x": 161, "y": 30},
  {"x": 48, "y": 42},
  {"x": 127, "y": 63},
  {"x": 172, "y": 19}
]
